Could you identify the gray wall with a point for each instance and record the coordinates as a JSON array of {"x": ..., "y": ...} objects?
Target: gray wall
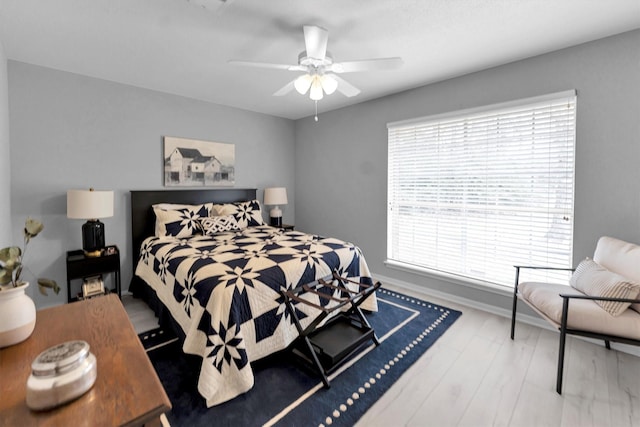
[
  {"x": 5, "y": 164},
  {"x": 341, "y": 161},
  {"x": 70, "y": 131}
]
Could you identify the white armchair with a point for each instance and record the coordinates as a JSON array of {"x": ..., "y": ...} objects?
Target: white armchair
[{"x": 602, "y": 301}]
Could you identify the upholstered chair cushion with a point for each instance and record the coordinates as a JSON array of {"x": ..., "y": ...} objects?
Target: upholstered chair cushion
[
  {"x": 583, "y": 314},
  {"x": 620, "y": 257},
  {"x": 594, "y": 280}
]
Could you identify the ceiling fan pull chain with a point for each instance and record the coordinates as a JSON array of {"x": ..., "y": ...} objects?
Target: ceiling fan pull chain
[{"x": 316, "y": 111}]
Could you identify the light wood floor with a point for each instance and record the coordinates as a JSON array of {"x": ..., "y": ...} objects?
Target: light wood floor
[
  {"x": 474, "y": 375},
  {"x": 140, "y": 314}
]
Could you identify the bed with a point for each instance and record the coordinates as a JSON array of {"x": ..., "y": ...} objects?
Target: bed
[{"x": 221, "y": 288}]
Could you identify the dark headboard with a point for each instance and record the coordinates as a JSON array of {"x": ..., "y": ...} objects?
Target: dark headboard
[{"x": 143, "y": 219}]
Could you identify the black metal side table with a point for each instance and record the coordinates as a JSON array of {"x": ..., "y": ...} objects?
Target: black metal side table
[{"x": 80, "y": 266}]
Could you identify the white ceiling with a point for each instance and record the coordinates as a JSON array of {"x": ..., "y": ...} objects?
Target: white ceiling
[{"x": 182, "y": 46}]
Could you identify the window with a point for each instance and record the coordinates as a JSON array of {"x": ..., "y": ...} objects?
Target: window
[{"x": 475, "y": 192}]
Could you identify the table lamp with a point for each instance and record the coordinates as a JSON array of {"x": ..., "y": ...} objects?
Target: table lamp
[
  {"x": 275, "y": 196},
  {"x": 90, "y": 205}
]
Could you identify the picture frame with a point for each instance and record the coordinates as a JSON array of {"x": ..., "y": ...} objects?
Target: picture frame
[
  {"x": 196, "y": 163},
  {"x": 92, "y": 286}
]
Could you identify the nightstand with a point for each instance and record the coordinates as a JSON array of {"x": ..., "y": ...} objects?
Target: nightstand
[
  {"x": 80, "y": 266},
  {"x": 285, "y": 227}
]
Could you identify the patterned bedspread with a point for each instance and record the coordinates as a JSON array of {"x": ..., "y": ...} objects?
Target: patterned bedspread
[{"x": 224, "y": 292}]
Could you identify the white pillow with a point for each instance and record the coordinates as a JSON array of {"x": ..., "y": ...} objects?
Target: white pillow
[
  {"x": 594, "y": 280},
  {"x": 218, "y": 224},
  {"x": 618, "y": 255}
]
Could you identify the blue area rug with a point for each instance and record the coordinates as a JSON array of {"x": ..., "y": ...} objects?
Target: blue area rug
[{"x": 287, "y": 393}]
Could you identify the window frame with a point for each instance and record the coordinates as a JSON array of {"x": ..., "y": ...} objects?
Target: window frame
[{"x": 491, "y": 109}]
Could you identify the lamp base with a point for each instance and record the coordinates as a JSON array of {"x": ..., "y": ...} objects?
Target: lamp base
[
  {"x": 275, "y": 217},
  {"x": 275, "y": 221},
  {"x": 93, "y": 238},
  {"x": 93, "y": 254}
]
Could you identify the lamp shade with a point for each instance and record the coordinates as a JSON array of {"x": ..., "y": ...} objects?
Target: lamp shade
[
  {"x": 89, "y": 204},
  {"x": 275, "y": 196},
  {"x": 329, "y": 84},
  {"x": 316, "y": 93},
  {"x": 303, "y": 83}
]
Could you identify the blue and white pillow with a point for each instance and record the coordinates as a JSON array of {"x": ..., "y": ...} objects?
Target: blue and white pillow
[
  {"x": 218, "y": 224},
  {"x": 180, "y": 220},
  {"x": 246, "y": 214}
]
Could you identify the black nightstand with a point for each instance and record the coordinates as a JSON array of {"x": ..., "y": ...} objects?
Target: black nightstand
[
  {"x": 285, "y": 227},
  {"x": 80, "y": 266}
]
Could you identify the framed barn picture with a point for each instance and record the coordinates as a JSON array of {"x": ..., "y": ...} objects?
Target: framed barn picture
[{"x": 195, "y": 163}]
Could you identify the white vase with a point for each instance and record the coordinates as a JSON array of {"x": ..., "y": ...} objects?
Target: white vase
[{"x": 17, "y": 315}]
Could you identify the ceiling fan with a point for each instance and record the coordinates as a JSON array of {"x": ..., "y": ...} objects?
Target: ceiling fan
[{"x": 321, "y": 73}]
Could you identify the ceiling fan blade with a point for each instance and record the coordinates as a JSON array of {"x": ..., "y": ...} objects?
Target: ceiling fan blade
[
  {"x": 315, "y": 41},
  {"x": 367, "y": 65},
  {"x": 285, "y": 89},
  {"x": 346, "y": 88},
  {"x": 269, "y": 65}
]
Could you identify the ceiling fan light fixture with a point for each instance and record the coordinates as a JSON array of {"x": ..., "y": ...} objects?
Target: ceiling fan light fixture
[
  {"x": 303, "y": 83},
  {"x": 322, "y": 74},
  {"x": 329, "y": 84},
  {"x": 316, "y": 89}
]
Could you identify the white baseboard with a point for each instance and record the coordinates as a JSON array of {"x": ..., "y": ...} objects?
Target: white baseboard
[{"x": 524, "y": 318}]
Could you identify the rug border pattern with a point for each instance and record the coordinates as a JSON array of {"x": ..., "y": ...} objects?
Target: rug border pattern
[{"x": 396, "y": 360}]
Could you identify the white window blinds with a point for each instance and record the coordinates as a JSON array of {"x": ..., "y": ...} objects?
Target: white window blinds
[{"x": 476, "y": 192}]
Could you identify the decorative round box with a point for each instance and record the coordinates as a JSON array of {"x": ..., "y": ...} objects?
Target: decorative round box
[{"x": 60, "y": 374}]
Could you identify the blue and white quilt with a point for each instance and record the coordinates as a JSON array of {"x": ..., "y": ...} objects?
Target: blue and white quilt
[{"x": 224, "y": 292}]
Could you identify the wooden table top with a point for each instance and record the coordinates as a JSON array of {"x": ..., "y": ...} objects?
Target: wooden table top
[{"x": 127, "y": 390}]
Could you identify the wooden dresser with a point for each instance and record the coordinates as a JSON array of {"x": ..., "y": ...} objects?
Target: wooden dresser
[{"x": 127, "y": 391}]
